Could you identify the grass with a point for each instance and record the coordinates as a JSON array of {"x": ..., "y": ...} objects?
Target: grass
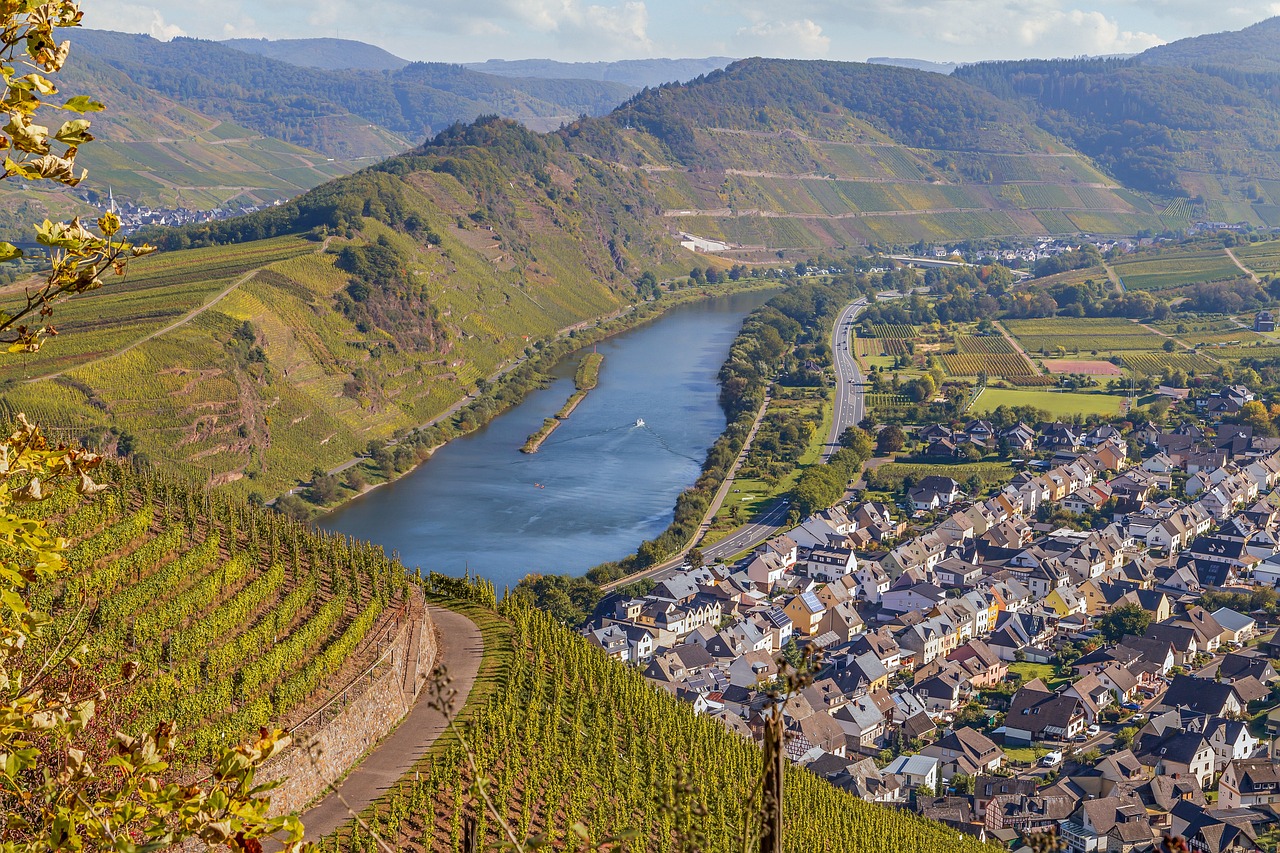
[
  {"x": 752, "y": 494},
  {"x": 1056, "y": 403}
]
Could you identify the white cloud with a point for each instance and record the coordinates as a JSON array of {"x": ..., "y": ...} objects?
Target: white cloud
[
  {"x": 164, "y": 31},
  {"x": 801, "y": 38}
]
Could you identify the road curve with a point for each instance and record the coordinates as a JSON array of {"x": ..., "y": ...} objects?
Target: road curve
[{"x": 851, "y": 405}]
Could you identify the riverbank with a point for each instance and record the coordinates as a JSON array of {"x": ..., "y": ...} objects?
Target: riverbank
[
  {"x": 503, "y": 390},
  {"x": 745, "y": 376}
]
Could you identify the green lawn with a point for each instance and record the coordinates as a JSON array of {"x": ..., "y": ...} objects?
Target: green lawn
[
  {"x": 1056, "y": 403},
  {"x": 1031, "y": 671}
]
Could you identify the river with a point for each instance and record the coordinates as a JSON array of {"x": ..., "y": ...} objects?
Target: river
[{"x": 599, "y": 486}]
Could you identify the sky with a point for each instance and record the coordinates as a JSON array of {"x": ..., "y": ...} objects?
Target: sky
[{"x": 591, "y": 30}]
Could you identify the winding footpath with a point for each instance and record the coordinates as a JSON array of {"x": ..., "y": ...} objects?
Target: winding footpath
[{"x": 461, "y": 649}]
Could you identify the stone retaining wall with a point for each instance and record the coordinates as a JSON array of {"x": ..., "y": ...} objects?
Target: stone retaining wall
[{"x": 327, "y": 747}]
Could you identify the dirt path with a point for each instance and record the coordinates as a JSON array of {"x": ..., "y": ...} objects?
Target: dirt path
[
  {"x": 1253, "y": 276},
  {"x": 461, "y": 651},
  {"x": 1018, "y": 347},
  {"x": 1114, "y": 276},
  {"x": 1153, "y": 330},
  {"x": 184, "y": 320}
]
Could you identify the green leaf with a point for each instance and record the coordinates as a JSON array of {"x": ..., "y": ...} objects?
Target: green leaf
[
  {"x": 9, "y": 252},
  {"x": 74, "y": 132},
  {"x": 83, "y": 104}
]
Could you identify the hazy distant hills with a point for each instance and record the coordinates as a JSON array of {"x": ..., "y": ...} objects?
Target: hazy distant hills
[
  {"x": 198, "y": 124},
  {"x": 632, "y": 72},
  {"x": 329, "y": 54},
  {"x": 917, "y": 64}
]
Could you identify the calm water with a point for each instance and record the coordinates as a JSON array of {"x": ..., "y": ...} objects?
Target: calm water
[{"x": 599, "y": 486}]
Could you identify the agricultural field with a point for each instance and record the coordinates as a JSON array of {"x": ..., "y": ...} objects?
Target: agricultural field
[
  {"x": 990, "y": 364},
  {"x": 259, "y": 614},
  {"x": 1087, "y": 368},
  {"x": 1263, "y": 258},
  {"x": 1157, "y": 363},
  {"x": 890, "y": 331},
  {"x": 1060, "y": 404},
  {"x": 979, "y": 344},
  {"x": 1070, "y": 335},
  {"x": 1158, "y": 272}
]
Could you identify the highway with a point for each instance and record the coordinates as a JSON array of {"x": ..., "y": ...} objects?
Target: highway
[{"x": 851, "y": 405}]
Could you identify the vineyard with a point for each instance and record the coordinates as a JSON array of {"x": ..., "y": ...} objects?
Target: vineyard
[
  {"x": 1157, "y": 363},
  {"x": 577, "y": 746},
  {"x": 1008, "y": 365},
  {"x": 1072, "y": 335},
  {"x": 1262, "y": 258},
  {"x": 979, "y": 345},
  {"x": 1175, "y": 270},
  {"x": 894, "y": 330},
  {"x": 239, "y": 618}
]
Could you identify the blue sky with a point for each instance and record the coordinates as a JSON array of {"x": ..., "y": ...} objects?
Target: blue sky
[{"x": 573, "y": 30}]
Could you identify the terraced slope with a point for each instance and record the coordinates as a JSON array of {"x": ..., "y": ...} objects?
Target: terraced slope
[
  {"x": 239, "y": 618},
  {"x": 642, "y": 767}
]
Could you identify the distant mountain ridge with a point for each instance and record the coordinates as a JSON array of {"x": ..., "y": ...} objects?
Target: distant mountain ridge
[
  {"x": 917, "y": 64},
  {"x": 632, "y": 72},
  {"x": 328, "y": 53},
  {"x": 1255, "y": 48}
]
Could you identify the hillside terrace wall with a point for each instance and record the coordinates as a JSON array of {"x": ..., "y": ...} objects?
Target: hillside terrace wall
[{"x": 330, "y": 742}]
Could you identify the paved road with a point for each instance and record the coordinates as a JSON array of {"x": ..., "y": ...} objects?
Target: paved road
[
  {"x": 461, "y": 650},
  {"x": 749, "y": 534},
  {"x": 851, "y": 405}
]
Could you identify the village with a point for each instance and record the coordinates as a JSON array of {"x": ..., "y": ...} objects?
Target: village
[{"x": 986, "y": 665}]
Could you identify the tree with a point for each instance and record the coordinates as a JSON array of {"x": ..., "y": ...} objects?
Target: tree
[
  {"x": 1125, "y": 736},
  {"x": 53, "y": 791},
  {"x": 962, "y": 784},
  {"x": 1168, "y": 345},
  {"x": 1127, "y": 619},
  {"x": 891, "y": 439},
  {"x": 857, "y": 440}
]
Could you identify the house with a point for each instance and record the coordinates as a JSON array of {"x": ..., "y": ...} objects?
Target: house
[
  {"x": 1115, "y": 824},
  {"x": 805, "y": 612},
  {"x": 1174, "y": 752},
  {"x": 613, "y": 640},
  {"x": 921, "y": 596},
  {"x": 987, "y": 788},
  {"x": 1263, "y": 321},
  {"x": 944, "y": 692},
  {"x": 934, "y": 492},
  {"x": 1212, "y": 698},
  {"x": 1027, "y": 813},
  {"x": 965, "y": 751},
  {"x": 1231, "y": 741},
  {"x": 1249, "y": 782},
  {"x": 864, "y": 724},
  {"x": 1237, "y": 628},
  {"x": 1036, "y": 713},
  {"x": 828, "y": 563},
  {"x": 916, "y": 771},
  {"x": 980, "y": 662}
]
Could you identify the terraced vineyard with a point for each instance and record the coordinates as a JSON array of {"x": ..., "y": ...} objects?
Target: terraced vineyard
[
  {"x": 556, "y": 697},
  {"x": 240, "y": 618}
]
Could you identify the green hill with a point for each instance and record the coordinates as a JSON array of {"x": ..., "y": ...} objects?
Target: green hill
[{"x": 1251, "y": 49}]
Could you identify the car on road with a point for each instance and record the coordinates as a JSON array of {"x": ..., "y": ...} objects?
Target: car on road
[{"x": 1093, "y": 730}]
